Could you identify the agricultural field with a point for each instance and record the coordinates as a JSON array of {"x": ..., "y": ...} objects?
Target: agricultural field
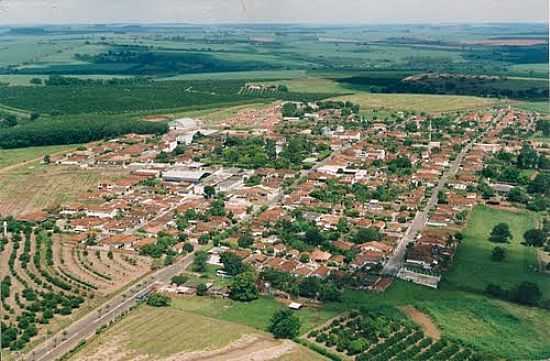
[
  {"x": 417, "y": 102},
  {"x": 371, "y": 335},
  {"x": 507, "y": 330},
  {"x": 473, "y": 267},
  {"x": 33, "y": 187},
  {"x": 173, "y": 334},
  {"x": 13, "y": 157},
  {"x": 48, "y": 282}
]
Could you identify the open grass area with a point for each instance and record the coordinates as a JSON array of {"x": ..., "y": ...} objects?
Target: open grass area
[
  {"x": 34, "y": 187},
  {"x": 313, "y": 85},
  {"x": 156, "y": 333},
  {"x": 541, "y": 107},
  {"x": 246, "y": 75},
  {"x": 254, "y": 314},
  {"x": 10, "y": 157},
  {"x": 473, "y": 267},
  {"x": 418, "y": 102}
]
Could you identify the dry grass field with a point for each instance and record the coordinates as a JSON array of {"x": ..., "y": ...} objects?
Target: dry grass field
[
  {"x": 170, "y": 334},
  {"x": 33, "y": 186}
]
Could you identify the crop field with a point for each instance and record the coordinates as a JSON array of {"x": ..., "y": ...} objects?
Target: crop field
[
  {"x": 123, "y": 98},
  {"x": 508, "y": 331},
  {"x": 418, "y": 102},
  {"x": 172, "y": 334},
  {"x": 380, "y": 336},
  {"x": 47, "y": 281},
  {"x": 34, "y": 187},
  {"x": 473, "y": 267}
]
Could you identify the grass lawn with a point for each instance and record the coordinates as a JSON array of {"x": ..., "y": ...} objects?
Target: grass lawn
[
  {"x": 473, "y": 267},
  {"x": 162, "y": 332},
  {"x": 10, "y": 157},
  {"x": 418, "y": 102},
  {"x": 491, "y": 326},
  {"x": 254, "y": 314}
]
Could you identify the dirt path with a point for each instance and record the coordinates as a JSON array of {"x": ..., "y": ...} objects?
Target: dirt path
[
  {"x": 247, "y": 348},
  {"x": 424, "y": 321}
]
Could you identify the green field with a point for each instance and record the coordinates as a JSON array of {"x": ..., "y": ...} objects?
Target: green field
[
  {"x": 541, "y": 107},
  {"x": 418, "y": 102},
  {"x": 473, "y": 267},
  {"x": 10, "y": 157},
  {"x": 254, "y": 314}
]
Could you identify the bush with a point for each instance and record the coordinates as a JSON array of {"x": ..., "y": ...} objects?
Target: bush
[
  {"x": 158, "y": 300},
  {"x": 284, "y": 324}
]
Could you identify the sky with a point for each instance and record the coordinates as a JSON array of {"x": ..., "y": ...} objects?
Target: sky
[{"x": 306, "y": 11}]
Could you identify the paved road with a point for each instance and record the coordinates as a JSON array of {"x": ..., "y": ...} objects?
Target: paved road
[
  {"x": 66, "y": 340},
  {"x": 397, "y": 259},
  {"x": 61, "y": 343}
]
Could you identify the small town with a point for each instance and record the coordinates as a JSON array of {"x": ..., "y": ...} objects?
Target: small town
[{"x": 248, "y": 180}]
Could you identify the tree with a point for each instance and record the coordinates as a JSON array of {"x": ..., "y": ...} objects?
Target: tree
[
  {"x": 527, "y": 293},
  {"x": 518, "y": 195},
  {"x": 284, "y": 324},
  {"x": 541, "y": 184},
  {"x": 179, "y": 280},
  {"x": 313, "y": 236},
  {"x": 534, "y": 237},
  {"x": 232, "y": 263},
  {"x": 46, "y": 159},
  {"x": 246, "y": 240},
  {"x": 188, "y": 247},
  {"x": 498, "y": 254},
  {"x": 367, "y": 235},
  {"x": 199, "y": 263},
  {"x": 500, "y": 233},
  {"x": 202, "y": 289},
  {"x": 310, "y": 287},
  {"x": 243, "y": 288},
  {"x": 158, "y": 300},
  {"x": 209, "y": 192},
  {"x": 528, "y": 158}
]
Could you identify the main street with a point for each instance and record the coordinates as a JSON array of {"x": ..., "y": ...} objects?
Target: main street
[
  {"x": 65, "y": 340},
  {"x": 397, "y": 259}
]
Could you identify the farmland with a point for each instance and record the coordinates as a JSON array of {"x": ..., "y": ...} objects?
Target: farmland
[
  {"x": 312, "y": 153},
  {"x": 487, "y": 325},
  {"x": 417, "y": 102},
  {"x": 16, "y": 156},
  {"x": 169, "y": 334},
  {"x": 49, "y": 281},
  {"x": 34, "y": 187}
]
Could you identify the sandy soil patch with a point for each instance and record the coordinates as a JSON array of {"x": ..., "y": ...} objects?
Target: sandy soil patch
[
  {"x": 424, "y": 321},
  {"x": 247, "y": 348}
]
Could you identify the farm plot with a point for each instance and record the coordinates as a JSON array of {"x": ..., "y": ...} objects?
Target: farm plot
[
  {"x": 33, "y": 187},
  {"x": 47, "y": 282},
  {"x": 170, "y": 334},
  {"x": 382, "y": 336}
]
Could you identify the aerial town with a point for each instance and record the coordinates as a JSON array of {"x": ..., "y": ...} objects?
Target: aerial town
[{"x": 274, "y": 192}]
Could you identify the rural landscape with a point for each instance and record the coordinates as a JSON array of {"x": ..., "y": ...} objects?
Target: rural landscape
[{"x": 179, "y": 191}]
